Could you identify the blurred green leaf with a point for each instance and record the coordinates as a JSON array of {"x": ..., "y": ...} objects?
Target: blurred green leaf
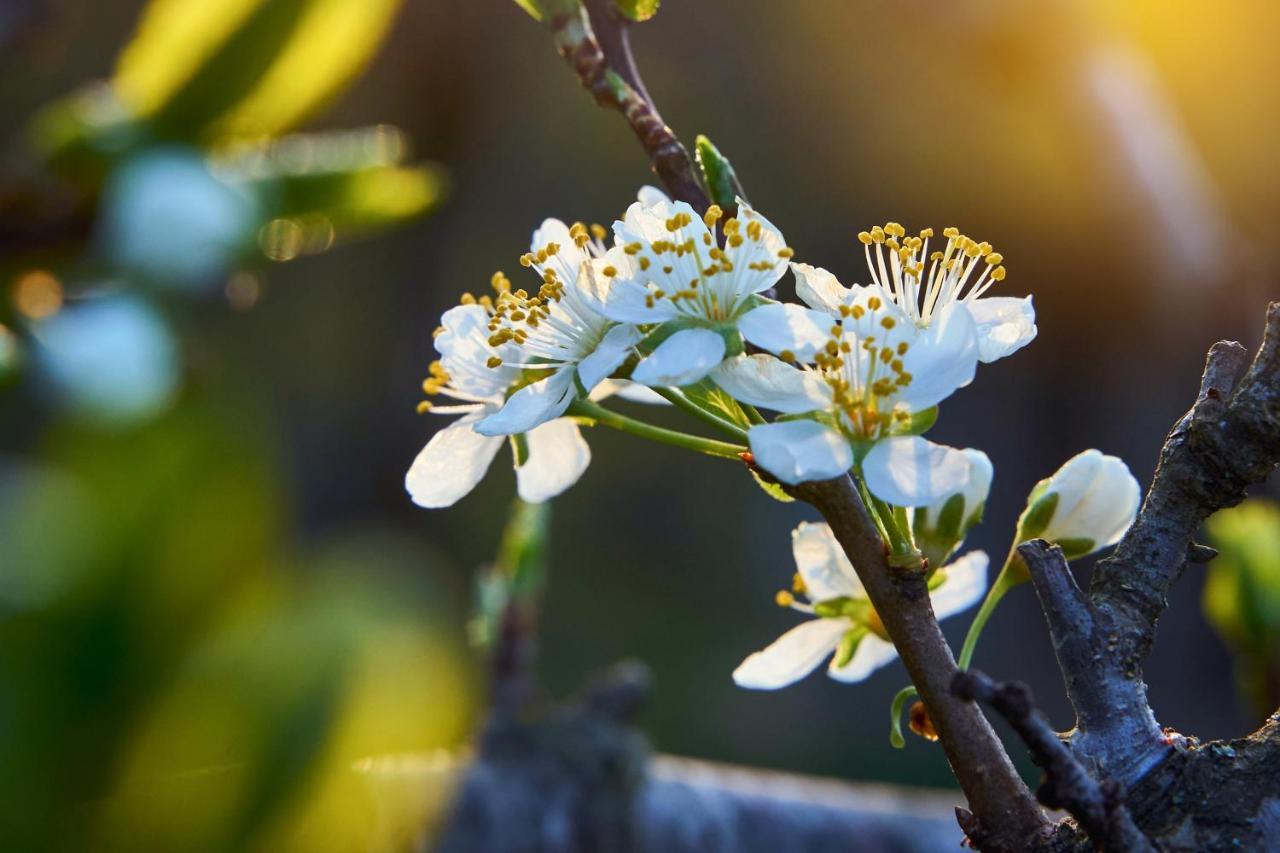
[
  {"x": 531, "y": 7},
  {"x": 771, "y": 488},
  {"x": 245, "y": 67},
  {"x": 638, "y": 10}
]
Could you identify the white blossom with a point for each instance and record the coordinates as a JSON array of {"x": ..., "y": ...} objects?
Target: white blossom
[
  {"x": 856, "y": 357},
  {"x": 668, "y": 267},
  {"x": 1085, "y": 506},
  {"x": 560, "y": 330},
  {"x": 457, "y": 457},
  {"x": 963, "y": 270},
  {"x": 844, "y": 625}
]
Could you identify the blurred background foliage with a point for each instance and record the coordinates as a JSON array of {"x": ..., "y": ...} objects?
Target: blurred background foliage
[{"x": 216, "y": 599}]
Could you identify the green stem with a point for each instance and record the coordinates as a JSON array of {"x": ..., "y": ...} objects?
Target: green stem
[
  {"x": 599, "y": 414},
  {"x": 753, "y": 414},
  {"x": 895, "y": 713},
  {"x": 1006, "y": 581},
  {"x": 680, "y": 401}
]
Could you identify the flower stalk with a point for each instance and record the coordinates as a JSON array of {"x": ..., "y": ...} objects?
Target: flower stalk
[{"x": 599, "y": 414}]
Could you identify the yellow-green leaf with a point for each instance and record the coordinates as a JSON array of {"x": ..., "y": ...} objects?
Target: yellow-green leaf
[
  {"x": 531, "y": 7},
  {"x": 638, "y": 10},
  {"x": 245, "y": 67}
]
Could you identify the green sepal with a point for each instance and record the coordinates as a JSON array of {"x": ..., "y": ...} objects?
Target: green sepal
[
  {"x": 948, "y": 526},
  {"x": 918, "y": 424},
  {"x": 848, "y": 645},
  {"x": 1036, "y": 517},
  {"x": 638, "y": 10},
  {"x": 717, "y": 172},
  {"x": 832, "y": 607},
  {"x": 1075, "y": 548}
]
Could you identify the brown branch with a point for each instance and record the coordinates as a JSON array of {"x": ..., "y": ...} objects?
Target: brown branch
[
  {"x": 1007, "y": 817},
  {"x": 1097, "y": 806},
  {"x": 615, "y": 82}
]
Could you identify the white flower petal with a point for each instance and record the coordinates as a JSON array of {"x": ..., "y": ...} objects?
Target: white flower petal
[
  {"x": 627, "y": 300},
  {"x": 799, "y": 451},
  {"x": 627, "y": 390},
  {"x": 911, "y": 471},
  {"x": 612, "y": 350},
  {"x": 819, "y": 289},
  {"x": 1005, "y": 324},
  {"x": 826, "y": 571},
  {"x": 453, "y": 462},
  {"x": 682, "y": 359},
  {"x": 781, "y": 326},
  {"x": 648, "y": 196},
  {"x": 942, "y": 358},
  {"x": 532, "y": 405},
  {"x": 977, "y": 488},
  {"x": 558, "y": 455},
  {"x": 963, "y": 584},
  {"x": 763, "y": 380},
  {"x": 1097, "y": 499},
  {"x": 871, "y": 654},
  {"x": 792, "y": 656}
]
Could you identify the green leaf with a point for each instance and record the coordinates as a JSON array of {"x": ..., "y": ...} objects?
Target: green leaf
[
  {"x": 711, "y": 397},
  {"x": 848, "y": 645},
  {"x": 531, "y": 7},
  {"x": 772, "y": 489},
  {"x": 637, "y": 10},
  {"x": 717, "y": 172},
  {"x": 197, "y": 69}
]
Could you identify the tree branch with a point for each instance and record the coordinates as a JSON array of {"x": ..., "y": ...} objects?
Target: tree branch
[
  {"x": 1098, "y": 807},
  {"x": 1007, "y": 815},
  {"x": 615, "y": 82},
  {"x": 1229, "y": 440}
]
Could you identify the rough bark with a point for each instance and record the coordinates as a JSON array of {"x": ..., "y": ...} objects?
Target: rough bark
[{"x": 1004, "y": 813}]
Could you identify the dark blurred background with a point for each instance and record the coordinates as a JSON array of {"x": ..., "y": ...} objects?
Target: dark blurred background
[{"x": 1120, "y": 156}]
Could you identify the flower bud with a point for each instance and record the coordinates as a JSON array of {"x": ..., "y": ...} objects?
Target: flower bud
[
  {"x": 940, "y": 527},
  {"x": 1085, "y": 506}
]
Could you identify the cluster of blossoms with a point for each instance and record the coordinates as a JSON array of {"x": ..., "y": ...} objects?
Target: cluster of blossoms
[{"x": 680, "y": 303}]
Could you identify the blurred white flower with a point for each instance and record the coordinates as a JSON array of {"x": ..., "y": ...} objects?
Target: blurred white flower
[
  {"x": 845, "y": 624},
  {"x": 110, "y": 358},
  {"x": 170, "y": 221},
  {"x": 1085, "y": 506},
  {"x": 668, "y": 267}
]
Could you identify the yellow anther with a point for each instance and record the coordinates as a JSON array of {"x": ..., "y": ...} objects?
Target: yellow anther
[
  {"x": 494, "y": 361},
  {"x": 787, "y": 355},
  {"x": 903, "y": 347},
  {"x": 786, "y": 253},
  {"x": 951, "y": 233},
  {"x": 874, "y": 303},
  {"x": 467, "y": 299},
  {"x": 877, "y": 234},
  {"x": 998, "y": 274},
  {"x": 864, "y": 237},
  {"x": 784, "y": 598},
  {"x": 712, "y": 216},
  {"x": 598, "y": 231},
  {"x": 423, "y": 407},
  {"x": 994, "y": 259},
  {"x": 610, "y": 271},
  {"x": 798, "y": 585},
  {"x": 888, "y": 322}
]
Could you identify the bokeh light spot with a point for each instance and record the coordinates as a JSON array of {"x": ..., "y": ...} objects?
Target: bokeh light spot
[{"x": 37, "y": 294}]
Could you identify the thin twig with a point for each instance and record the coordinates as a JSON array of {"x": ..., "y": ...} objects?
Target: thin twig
[
  {"x": 615, "y": 82},
  {"x": 1098, "y": 807}
]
